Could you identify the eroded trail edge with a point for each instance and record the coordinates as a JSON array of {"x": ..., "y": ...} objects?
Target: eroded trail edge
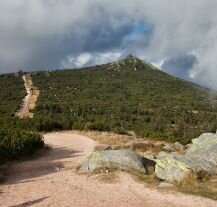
[
  {"x": 52, "y": 180},
  {"x": 29, "y": 102}
]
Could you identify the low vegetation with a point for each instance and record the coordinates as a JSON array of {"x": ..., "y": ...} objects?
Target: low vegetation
[
  {"x": 129, "y": 95},
  {"x": 15, "y": 143},
  {"x": 16, "y": 138},
  {"x": 12, "y": 91}
]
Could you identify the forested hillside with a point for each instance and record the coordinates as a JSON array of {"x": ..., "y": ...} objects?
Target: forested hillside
[
  {"x": 128, "y": 95},
  {"x": 16, "y": 138},
  {"x": 12, "y": 91}
]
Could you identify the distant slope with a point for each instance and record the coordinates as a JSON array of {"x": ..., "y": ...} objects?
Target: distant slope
[
  {"x": 126, "y": 95},
  {"x": 12, "y": 91}
]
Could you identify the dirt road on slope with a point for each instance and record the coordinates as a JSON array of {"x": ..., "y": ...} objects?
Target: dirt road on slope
[
  {"x": 52, "y": 180},
  {"x": 29, "y": 102}
]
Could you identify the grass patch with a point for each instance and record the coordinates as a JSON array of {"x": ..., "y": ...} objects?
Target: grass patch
[
  {"x": 110, "y": 177},
  {"x": 106, "y": 175},
  {"x": 118, "y": 141},
  {"x": 200, "y": 184},
  {"x": 145, "y": 178},
  {"x": 111, "y": 174},
  {"x": 206, "y": 189},
  {"x": 108, "y": 138}
]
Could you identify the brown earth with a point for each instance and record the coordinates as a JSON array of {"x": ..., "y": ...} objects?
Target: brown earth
[
  {"x": 51, "y": 180},
  {"x": 29, "y": 102}
]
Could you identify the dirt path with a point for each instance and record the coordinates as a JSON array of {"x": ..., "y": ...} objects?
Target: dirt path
[
  {"x": 52, "y": 181},
  {"x": 28, "y": 103}
]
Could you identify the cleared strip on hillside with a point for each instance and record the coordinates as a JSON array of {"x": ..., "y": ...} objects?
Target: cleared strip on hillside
[{"x": 29, "y": 102}]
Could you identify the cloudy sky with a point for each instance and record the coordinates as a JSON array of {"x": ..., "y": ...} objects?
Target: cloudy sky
[{"x": 179, "y": 36}]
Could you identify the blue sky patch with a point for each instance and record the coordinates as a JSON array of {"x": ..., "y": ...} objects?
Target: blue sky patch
[{"x": 140, "y": 28}]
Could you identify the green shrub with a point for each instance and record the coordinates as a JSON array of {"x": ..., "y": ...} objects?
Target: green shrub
[{"x": 16, "y": 143}]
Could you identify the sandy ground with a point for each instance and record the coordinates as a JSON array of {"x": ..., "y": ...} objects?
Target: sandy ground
[
  {"x": 29, "y": 101},
  {"x": 52, "y": 180}
]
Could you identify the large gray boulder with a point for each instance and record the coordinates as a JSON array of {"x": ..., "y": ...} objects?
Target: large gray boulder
[
  {"x": 172, "y": 169},
  {"x": 201, "y": 155},
  {"x": 121, "y": 159}
]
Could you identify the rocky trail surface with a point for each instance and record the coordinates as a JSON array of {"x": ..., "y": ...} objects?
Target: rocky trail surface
[
  {"x": 28, "y": 103},
  {"x": 51, "y": 180}
]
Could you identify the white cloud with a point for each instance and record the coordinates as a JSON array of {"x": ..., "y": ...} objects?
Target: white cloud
[
  {"x": 79, "y": 61},
  {"x": 88, "y": 59},
  {"x": 33, "y": 33}
]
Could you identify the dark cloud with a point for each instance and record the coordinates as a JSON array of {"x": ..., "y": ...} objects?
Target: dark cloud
[
  {"x": 46, "y": 34},
  {"x": 103, "y": 36},
  {"x": 180, "y": 66}
]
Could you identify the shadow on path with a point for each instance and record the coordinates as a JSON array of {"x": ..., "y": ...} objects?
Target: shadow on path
[
  {"x": 30, "y": 203},
  {"x": 51, "y": 161}
]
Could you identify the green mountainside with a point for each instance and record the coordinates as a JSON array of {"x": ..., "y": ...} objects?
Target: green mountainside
[
  {"x": 127, "y": 95},
  {"x": 12, "y": 91},
  {"x": 16, "y": 138}
]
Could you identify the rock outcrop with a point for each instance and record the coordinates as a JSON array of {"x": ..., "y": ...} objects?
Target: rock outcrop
[
  {"x": 201, "y": 155},
  {"x": 172, "y": 168},
  {"x": 121, "y": 159}
]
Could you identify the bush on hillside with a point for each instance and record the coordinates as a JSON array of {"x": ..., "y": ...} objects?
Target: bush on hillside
[{"x": 15, "y": 143}]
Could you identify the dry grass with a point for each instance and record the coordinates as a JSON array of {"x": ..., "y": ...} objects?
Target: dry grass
[
  {"x": 200, "y": 184},
  {"x": 107, "y": 138},
  {"x": 110, "y": 177},
  {"x": 149, "y": 147},
  {"x": 117, "y": 141},
  {"x": 142, "y": 177},
  {"x": 106, "y": 175},
  {"x": 205, "y": 188}
]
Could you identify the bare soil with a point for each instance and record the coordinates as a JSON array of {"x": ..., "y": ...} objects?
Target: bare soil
[
  {"x": 51, "y": 180},
  {"x": 29, "y": 102}
]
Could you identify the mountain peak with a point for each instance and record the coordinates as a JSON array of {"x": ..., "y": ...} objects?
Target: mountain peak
[
  {"x": 131, "y": 62},
  {"x": 130, "y": 56}
]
